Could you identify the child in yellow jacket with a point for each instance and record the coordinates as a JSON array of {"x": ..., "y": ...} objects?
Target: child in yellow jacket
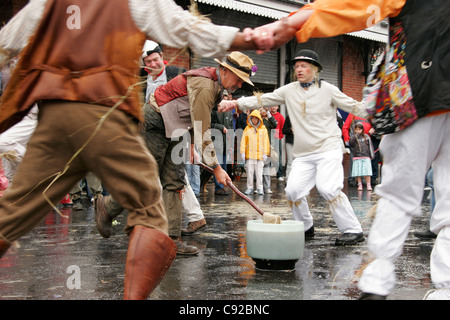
[{"x": 255, "y": 148}]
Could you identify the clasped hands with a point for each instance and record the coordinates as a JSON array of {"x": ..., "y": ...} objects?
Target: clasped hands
[
  {"x": 270, "y": 36},
  {"x": 227, "y": 105}
]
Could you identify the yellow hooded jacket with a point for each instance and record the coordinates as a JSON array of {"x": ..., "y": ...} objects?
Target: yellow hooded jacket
[{"x": 255, "y": 141}]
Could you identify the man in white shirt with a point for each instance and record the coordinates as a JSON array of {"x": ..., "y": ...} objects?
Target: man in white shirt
[{"x": 318, "y": 147}]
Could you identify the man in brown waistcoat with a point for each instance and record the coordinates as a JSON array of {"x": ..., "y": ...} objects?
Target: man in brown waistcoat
[
  {"x": 79, "y": 61},
  {"x": 182, "y": 106}
]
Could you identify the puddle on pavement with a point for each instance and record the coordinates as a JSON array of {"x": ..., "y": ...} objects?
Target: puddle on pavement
[{"x": 222, "y": 270}]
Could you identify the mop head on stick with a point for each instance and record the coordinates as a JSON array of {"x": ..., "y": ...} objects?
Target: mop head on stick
[{"x": 271, "y": 218}]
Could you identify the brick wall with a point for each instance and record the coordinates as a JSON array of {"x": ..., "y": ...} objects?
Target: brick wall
[
  {"x": 353, "y": 80},
  {"x": 177, "y": 57}
]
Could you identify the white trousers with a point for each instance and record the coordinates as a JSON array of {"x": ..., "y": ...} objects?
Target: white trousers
[
  {"x": 325, "y": 171},
  {"x": 407, "y": 156},
  {"x": 254, "y": 168},
  {"x": 289, "y": 158},
  {"x": 13, "y": 142},
  {"x": 191, "y": 206}
]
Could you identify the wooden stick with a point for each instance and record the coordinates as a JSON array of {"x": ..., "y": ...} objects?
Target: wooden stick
[{"x": 236, "y": 190}]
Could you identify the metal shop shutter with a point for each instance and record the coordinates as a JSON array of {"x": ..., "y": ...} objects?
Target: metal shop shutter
[
  {"x": 267, "y": 63},
  {"x": 267, "y": 66},
  {"x": 329, "y": 55}
]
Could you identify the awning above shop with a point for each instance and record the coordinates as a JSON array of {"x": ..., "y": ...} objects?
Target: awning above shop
[
  {"x": 374, "y": 34},
  {"x": 266, "y": 8},
  {"x": 256, "y": 7}
]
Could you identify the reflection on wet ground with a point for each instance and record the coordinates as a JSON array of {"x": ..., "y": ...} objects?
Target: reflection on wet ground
[{"x": 44, "y": 263}]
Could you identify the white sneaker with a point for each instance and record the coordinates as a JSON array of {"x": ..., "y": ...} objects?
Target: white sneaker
[
  {"x": 280, "y": 179},
  {"x": 269, "y": 191}
]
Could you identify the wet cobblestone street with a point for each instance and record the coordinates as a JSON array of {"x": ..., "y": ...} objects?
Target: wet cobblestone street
[{"x": 40, "y": 266}]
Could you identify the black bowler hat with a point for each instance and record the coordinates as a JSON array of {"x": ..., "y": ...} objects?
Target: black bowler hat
[{"x": 308, "y": 56}]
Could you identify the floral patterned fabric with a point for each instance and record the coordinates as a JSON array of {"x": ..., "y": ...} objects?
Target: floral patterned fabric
[
  {"x": 4, "y": 183},
  {"x": 387, "y": 95}
]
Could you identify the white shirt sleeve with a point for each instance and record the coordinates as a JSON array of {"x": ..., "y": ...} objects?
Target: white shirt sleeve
[
  {"x": 348, "y": 104},
  {"x": 165, "y": 22},
  {"x": 271, "y": 99},
  {"x": 15, "y": 34},
  {"x": 161, "y": 20}
]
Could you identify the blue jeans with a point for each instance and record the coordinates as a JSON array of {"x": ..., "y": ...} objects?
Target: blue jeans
[
  {"x": 280, "y": 170},
  {"x": 193, "y": 173},
  {"x": 224, "y": 167}
]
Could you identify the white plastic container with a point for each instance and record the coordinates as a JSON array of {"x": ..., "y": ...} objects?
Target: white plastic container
[{"x": 275, "y": 246}]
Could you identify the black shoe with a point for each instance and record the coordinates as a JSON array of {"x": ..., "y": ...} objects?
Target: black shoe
[
  {"x": 221, "y": 192},
  {"x": 309, "y": 234},
  {"x": 425, "y": 235},
  {"x": 371, "y": 296},
  {"x": 348, "y": 239},
  {"x": 77, "y": 205},
  {"x": 352, "y": 182}
]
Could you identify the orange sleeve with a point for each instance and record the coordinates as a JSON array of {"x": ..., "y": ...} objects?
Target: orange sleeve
[{"x": 331, "y": 18}]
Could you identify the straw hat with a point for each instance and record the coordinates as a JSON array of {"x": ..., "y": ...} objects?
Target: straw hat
[{"x": 240, "y": 64}]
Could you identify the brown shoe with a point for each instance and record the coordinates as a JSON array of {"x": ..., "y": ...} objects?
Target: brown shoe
[
  {"x": 193, "y": 227},
  {"x": 183, "y": 248},
  {"x": 4, "y": 246},
  {"x": 102, "y": 218},
  {"x": 150, "y": 255}
]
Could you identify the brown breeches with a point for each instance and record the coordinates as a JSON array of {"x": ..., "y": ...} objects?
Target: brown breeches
[{"x": 115, "y": 153}]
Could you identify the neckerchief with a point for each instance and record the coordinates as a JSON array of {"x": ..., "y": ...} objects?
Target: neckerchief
[{"x": 307, "y": 84}]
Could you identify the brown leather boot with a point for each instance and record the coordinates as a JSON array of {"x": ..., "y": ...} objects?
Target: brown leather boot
[
  {"x": 4, "y": 246},
  {"x": 193, "y": 227},
  {"x": 150, "y": 254}
]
